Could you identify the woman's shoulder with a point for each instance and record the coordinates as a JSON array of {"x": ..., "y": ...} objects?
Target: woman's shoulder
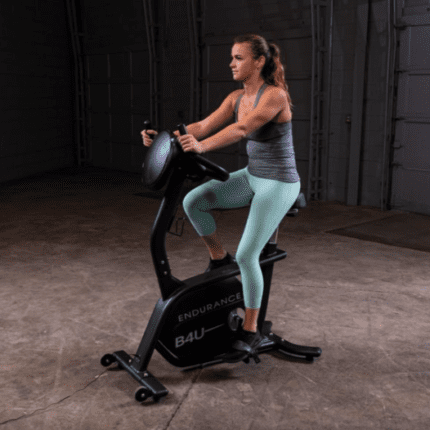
[
  {"x": 276, "y": 90},
  {"x": 236, "y": 93},
  {"x": 271, "y": 89},
  {"x": 234, "y": 96}
]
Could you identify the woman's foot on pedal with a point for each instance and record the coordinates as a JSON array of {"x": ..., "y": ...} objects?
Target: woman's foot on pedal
[
  {"x": 215, "y": 264},
  {"x": 248, "y": 341}
]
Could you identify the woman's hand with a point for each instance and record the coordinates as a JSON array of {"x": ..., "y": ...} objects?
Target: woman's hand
[
  {"x": 147, "y": 141},
  {"x": 190, "y": 144}
]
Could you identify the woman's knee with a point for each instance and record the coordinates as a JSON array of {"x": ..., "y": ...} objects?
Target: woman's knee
[
  {"x": 246, "y": 256},
  {"x": 187, "y": 202},
  {"x": 191, "y": 198},
  {"x": 196, "y": 200}
]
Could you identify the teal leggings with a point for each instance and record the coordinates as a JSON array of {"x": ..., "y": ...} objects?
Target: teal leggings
[{"x": 271, "y": 200}]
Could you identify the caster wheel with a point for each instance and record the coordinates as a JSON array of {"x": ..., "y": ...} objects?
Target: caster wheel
[
  {"x": 234, "y": 320},
  {"x": 107, "y": 360},
  {"x": 142, "y": 394}
]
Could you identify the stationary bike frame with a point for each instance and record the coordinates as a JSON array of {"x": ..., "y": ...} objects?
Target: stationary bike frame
[{"x": 214, "y": 286}]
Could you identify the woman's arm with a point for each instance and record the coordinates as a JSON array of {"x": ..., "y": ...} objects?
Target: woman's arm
[
  {"x": 195, "y": 129},
  {"x": 271, "y": 103},
  {"x": 218, "y": 119},
  {"x": 229, "y": 135}
]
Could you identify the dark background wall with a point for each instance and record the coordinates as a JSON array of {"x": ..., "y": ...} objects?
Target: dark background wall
[
  {"x": 36, "y": 89},
  {"x": 38, "y": 118}
]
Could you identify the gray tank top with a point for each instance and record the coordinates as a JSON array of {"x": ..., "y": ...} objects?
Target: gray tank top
[{"x": 270, "y": 149}]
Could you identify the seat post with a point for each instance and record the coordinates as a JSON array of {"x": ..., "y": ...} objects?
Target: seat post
[
  {"x": 271, "y": 245},
  {"x": 274, "y": 237}
]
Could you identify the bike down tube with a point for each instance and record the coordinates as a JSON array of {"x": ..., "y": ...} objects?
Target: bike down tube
[
  {"x": 168, "y": 284},
  {"x": 150, "y": 336}
]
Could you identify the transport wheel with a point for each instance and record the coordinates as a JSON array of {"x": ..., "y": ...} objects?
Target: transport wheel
[
  {"x": 107, "y": 360},
  {"x": 141, "y": 394}
]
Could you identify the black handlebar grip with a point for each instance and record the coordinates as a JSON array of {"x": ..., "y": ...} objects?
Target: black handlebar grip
[
  {"x": 147, "y": 125},
  {"x": 182, "y": 129}
]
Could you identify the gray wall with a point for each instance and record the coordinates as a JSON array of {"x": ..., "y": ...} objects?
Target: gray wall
[
  {"x": 117, "y": 64},
  {"x": 411, "y": 147},
  {"x": 345, "y": 25},
  {"x": 36, "y": 89}
]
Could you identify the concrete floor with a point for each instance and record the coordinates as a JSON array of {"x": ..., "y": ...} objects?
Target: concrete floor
[{"x": 77, "y": 281}]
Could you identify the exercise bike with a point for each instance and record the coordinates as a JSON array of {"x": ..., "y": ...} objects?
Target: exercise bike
[{"x": 194, "y": 322}]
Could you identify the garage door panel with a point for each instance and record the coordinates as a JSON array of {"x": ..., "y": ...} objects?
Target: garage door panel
[{"x": 411, "y": 149}]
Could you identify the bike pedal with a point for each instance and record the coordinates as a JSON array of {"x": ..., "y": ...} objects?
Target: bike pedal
[{"x": 256, "y": 358}]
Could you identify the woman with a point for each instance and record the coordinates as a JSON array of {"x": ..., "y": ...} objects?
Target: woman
[{"x": 262, "y": 112}]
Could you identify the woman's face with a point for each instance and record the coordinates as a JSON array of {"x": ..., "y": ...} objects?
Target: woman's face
[{"x": 243, "y": 66}]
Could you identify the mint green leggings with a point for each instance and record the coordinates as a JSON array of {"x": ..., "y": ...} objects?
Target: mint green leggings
[{"x": 270, "y": 202}]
